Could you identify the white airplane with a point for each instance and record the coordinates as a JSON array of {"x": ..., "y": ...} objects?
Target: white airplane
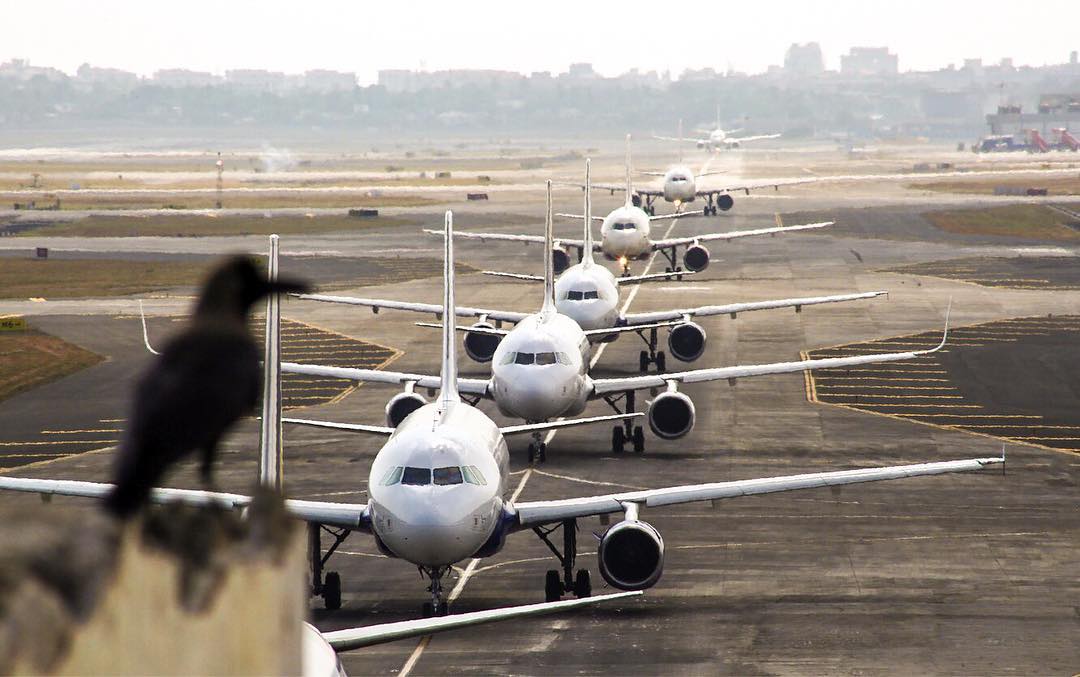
[
  {"x": 717, "y": 138},
  {"x": 625, "y": 231},
  {"x": 539, "y": 369},
  {"x": 436, "y": 491},
  {"x": 589, "y": 294}
]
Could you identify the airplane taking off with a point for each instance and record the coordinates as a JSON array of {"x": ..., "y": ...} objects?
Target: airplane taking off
[
  {"x": 539, "y": 369},
  {"x": 436, "y": 492},
  {"x": 588, "y": 293},
  {"x": 625, "y": 231}
]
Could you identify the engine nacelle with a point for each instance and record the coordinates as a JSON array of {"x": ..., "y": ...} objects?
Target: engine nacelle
[
  {"x": 560, "y": 260},
  {"x": 702, "y": 144},
  {"x": 631, "y": 555},
  {"x": 480, "y": 347},
  {"x": 671, "y": 415},
  {"x": 401, "y": 405},
  {"x": 696, "y": 258},
  {"x": 686, "y": 341},
  {"x": 725, "y": 202}
]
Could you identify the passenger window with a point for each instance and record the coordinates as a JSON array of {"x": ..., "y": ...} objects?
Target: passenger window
[
  {"x": 545, "y": 358},
  {"x": 523, "y": 358},
  {"x": 416, "y": 476},
  {"x": 448, "y": 475},
  {"x": 393, "y": 477}
]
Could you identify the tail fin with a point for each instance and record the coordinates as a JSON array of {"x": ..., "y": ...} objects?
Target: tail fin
[
  {"x": 680, "y": 142},
  {"x": 448, "y": 392},
  {"x": 629, "y": 179},
  {"x": 270, "y": 448},
  {"x": 587, "y": 242},
  {"x": 548, "y": 308}
]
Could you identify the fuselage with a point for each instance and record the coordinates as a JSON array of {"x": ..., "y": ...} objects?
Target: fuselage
[
  {"x": 588, "y": 294},
  {"x": 538, "y": 372},
  {"x": 679, "y": 185},
  {"x": 436, "y": 486},
  {"x": 625, "y": 232}
]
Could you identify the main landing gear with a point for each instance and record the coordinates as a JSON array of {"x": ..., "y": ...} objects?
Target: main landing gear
[
  {"x": 671, "y": 255},
  {"x": 710, "y": 207},
  {"x": 436, "y": 607},
  {"x": 652, "y": 355},
  {"x": 329, "y": 586},
  {"x": 554, "y": 584},
  {"x": 626, "y": 431},
  {"x": 537, "y": 449}
]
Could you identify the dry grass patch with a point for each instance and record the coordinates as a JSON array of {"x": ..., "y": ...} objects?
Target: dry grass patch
[
  {"x": 93, "y": 278},
  {"x": 31, "y": 358},
  {"x": 1022, "y": 220},
  {"x": 203, "y": 225}
]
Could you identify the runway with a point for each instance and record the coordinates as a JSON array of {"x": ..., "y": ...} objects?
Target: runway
[{"x": 964, "y": 574}]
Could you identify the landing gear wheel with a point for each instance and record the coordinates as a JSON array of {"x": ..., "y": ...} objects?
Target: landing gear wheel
[
  {"x": 618, "y": 439},
  {"x": 661, "y": 362},
  {"x": 427, "y": 610},
  {"x": 639, "y": 441},
  {"x": 331, "y": 592},
  {"x": 541, "y": 453},
  {"x": 582, "y": 584},
  {"x": 643, "y": 361},
  {"x": 553, "y": 587},
  {"x": 532, "y": 453}
]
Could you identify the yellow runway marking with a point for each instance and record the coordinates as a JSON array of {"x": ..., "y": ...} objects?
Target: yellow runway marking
[
  {"x": 54, "y": 443},
  {"x": 864, "y": 387},
  {"x": 75, "y": 432}
]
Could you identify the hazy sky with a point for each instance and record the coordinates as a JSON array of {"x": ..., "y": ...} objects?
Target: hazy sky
[{"x": 363, "y": 36}]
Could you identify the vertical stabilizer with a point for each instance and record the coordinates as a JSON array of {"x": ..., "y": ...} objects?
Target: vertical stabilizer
[
  {"x": 270, "y": 449},
  {"x": 680, "y": 142},
  {"x": 587, "y": 242},
  {"x": 629, "y": 176},
  {"x": 448, "y": 393},
  {"x": 549, "y": 263}
]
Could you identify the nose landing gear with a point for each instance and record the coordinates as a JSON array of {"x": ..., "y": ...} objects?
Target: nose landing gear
[
  {"x": 436, "y": 607},
  {"x": 537, "y": 449}
]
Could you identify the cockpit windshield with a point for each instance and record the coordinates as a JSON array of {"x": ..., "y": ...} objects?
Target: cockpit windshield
[
  {"x": 536, "y": 358},
  {"x": 574, "y": 295},
  {"x": 446, "y": 476},
  {"x": 623, "y": 225},
  {"x": 679, "y": 179}
]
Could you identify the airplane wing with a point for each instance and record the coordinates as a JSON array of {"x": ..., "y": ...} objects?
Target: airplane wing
[
  {"x": 351, "y": 427},
  {"x": 581, "y": 216},
  {"x": 514, "y": 276},
  {"x": 434, "y": 308},
  {"x": 469, "y": 386},
  {"x": 733, "y": 309},
  {"x": 652, "y": 277},
  {"x": 505, "y": 430},
  {"x": 676, "y": 215},
  {"x": 677, "y": 140},
  {"x": 356, "y": 638},
  {"x": 733, "y": 234},
  {"x": 344, "y": 515},
  {"x": 744, "y": 139},
  {"x": 603, "y": 386},
  {"x": 509, "y": 237},
  {"x": 534, "y": 513}
]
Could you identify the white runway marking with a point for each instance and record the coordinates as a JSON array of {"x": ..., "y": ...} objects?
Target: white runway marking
[{"x": 414, "y": 658}]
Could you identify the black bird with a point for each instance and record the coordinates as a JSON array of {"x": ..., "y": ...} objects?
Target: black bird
[{"x": 204, "y": 381}]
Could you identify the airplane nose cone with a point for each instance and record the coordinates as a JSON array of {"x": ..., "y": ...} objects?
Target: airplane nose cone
[
  {"x": 538, "y": 399},
  {"x": 433, "y": 532}
]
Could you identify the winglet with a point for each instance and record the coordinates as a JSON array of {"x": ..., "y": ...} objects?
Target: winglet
[
  {"x": 448, "y": 392},
  {"x": 587, "y": 242},
  {"x": 145, "y": 334},
  {"x": 548, "y": 308},
  {"x": 270, "y": 447},
  {"x": 945, "y": 333}
]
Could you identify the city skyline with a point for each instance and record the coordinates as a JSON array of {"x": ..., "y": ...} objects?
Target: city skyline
[{"x": 281, "y": 37}]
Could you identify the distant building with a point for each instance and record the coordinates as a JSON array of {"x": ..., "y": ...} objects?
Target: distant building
[
  {"x": 258, "y": 80},
  {"x": 180, "y": 77},
  {"x": 398, "y": 80},
  {"x": 20, "y": 69},
  {"x": 329, "y": 81},
  {"x": 1073, "y": 58},
  {"x": 109, "y": 77},
  {"x": 804, "y": 60},
  {"x": 581, "y": 71},
  {"x": 869, "y": 61}
]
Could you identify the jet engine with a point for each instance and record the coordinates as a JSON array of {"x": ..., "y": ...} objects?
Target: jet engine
[
  {"x": 725, "y": 202},
  {"x": 401, "y": 405},
  {"x": 696, "y": 258},
  {"x": 478, "y": 346},
  {"x": 702, "y": 144},
  {"x": 671, "y": 415},
  {"x": 631, "y": 555},
  {"x": 686, "y": 341},
  {"x": 560, "y": 259}
]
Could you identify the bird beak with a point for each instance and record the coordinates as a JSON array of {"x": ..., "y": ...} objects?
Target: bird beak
[{"x": 287, "y": 286}]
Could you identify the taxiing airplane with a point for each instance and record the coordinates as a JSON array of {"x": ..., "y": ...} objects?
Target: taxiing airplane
[
  {"x": 436, "y": 495},
  {"x": 717, "y": 138},
  {"x": 625, "y": 231},
  {"x": 589, "y": 294}
]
